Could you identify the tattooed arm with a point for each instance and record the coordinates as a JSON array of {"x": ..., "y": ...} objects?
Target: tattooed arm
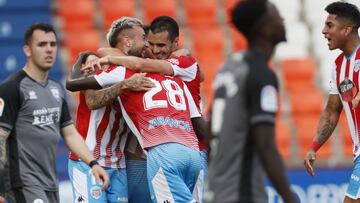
[
  {"x": 98, "y": 98},
  {"x": 4, "y": 134},
  {"x": 328, "y": 121}
]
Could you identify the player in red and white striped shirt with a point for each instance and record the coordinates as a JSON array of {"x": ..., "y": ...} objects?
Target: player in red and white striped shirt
[
  {"x": 341, "y": 31},
  {"x": 160, "y": 118},
  {"x": 105, "y": 132},
  {"x": 163, "y": 40}
]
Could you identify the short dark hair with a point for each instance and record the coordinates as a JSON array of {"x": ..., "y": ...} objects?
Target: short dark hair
[
  {"x": 165, "y": 23},
  {"x": 345, "y": 10},
  {"x": 246, "y": 14},
  {"x": 46, "y": 27},
  {"x": 146, "y": 29}
]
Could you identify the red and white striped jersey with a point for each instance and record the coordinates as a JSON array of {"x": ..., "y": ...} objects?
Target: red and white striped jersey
[
  {"x": 104, "y": 131},
  {"x": 160, "y": 115},
  {"x": 187, "y": 69},
  {"x": 345, "y": 75}
]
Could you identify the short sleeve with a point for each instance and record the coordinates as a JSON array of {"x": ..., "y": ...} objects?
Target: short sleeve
[
  {"x": 185, "y": 67},
  {"x": 65, "y": 118},
  {"x": 333, "y": 84},
  {"x": 194, "y": 112},
  {"x": 262, "y": 99},
  {"x": 111, "y": 76},
  {"x": 9, "y": 103}
]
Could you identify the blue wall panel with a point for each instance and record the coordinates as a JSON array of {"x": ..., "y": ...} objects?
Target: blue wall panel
[{"x": 13, "y": 26}]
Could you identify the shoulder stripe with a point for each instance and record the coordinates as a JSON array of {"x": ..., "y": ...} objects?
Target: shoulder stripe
[{"x": 338, "y": 62}]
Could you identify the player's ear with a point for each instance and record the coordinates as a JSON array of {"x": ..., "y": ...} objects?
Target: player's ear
[
  {"x": 127, "y": 41},
  {"x": 348, "y": 30},
  {"x": 176, "y": 42},
  {"x": 27, "y": 51}
]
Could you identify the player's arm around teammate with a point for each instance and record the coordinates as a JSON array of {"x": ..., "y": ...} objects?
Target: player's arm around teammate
[{"x": 96, "y": 99}]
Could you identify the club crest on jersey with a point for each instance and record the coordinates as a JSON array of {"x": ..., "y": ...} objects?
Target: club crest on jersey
[
  {"x": 55, "y": 93},
  {"x": 32, "y": 94},
  {"x": 357, "y": 65},
  {"x": 174, "y": 61},
  {"x": 348, "y": 90},
  {"x": 95, "y": 192},
  {"x": 2, "y": 106}
]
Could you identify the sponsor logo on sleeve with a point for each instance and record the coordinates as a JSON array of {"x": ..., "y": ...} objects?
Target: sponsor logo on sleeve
[
  {"x": 2, "y": 106},
  {"x": 268, "y": 99}
]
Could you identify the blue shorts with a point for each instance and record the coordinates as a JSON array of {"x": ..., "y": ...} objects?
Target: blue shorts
[
  {"x": 204, "y": 154},
  {"x": 354, "y": 185},
  {"x": 175, "y": 173},
  {"x": 86, "y": 189},
  {"x": 137, "y": 181}
]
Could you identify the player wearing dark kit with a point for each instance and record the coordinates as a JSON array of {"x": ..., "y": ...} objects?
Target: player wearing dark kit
[
  {"x": 243, "y": 148},
  {"x": 33, "y": 116}
]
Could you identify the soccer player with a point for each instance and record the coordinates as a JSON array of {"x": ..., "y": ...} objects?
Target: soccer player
[
  {"x": 184, "y": 190},
  {"x": 124, "y": 40},
  {"x": 341, "y": 31},
  {"x": 243, "y": 113},
  {"x": 161, "y": 121},
  {"x": 163, "y": 39},
  {"x": 33, "y": 116},
  {"x": 105, "y": 133}
]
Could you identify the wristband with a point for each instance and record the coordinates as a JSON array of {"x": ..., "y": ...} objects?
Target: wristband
[
  {"x": 315, "y": 146},
  {"x": 93, "y": 163}
]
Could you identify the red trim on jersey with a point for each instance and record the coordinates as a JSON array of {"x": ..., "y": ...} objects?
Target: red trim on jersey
[
  {"x": 118, "y": 152},
  {"x": 202, "y": 144},
  {"x": 112, "y": 67},
  {"x": 357, "y": 54},
  {"x": 193, "y": 85},
  {"x": 101, "y": 129},
  {"x": 113, "y": 133},
  {"x": 182, "y": 61},
  {"x": 356, "y": 82},
  {"x": 82, "y": 124},
  {"x": 338, "y": 63},
  {"x": 347, "y": 69}
]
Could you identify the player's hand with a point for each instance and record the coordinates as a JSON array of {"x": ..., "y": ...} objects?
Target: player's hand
[
  {"x": 309, "y": 160},
  {"x": 99, "y": 173},
  {"x": 355, "y": 101},
  {"x": 96, "y": 64},
  {"x": 2, "y": 199},
  {"x": 138, "y": 82}
]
